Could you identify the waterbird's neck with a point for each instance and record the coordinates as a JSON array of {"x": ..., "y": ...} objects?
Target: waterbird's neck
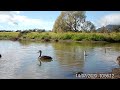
[
  {"x": 40, "y": 54},
  {"x": 84, "y": 53}
]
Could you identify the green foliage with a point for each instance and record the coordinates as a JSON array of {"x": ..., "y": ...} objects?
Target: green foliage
[
  {"x": 36, "y": 35},
  {"x": 76, "y": 36},
  {"x": 69, "y": 21},
  {"x": 97, "y": 37},
  {"x": 60, "y": 25},
  {"x": 88, "y": 26},
  {"x": 73, "y": 21},
  {"x": 115, "y": 37},
  {"x": 8, "y": 35}
]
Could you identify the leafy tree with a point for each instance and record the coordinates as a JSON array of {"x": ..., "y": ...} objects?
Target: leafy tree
[
  {"x": 74, "y": 19},
  {"x": 69, "y": 21},
  {"x": 88, "y": 26}
]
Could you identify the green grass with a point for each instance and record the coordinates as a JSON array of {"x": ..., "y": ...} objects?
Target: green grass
[
  {"x": 110, "y": 37},
  {"x": 8, "y": 35}
]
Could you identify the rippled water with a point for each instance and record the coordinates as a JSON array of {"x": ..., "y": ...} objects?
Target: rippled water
[{"x": 20, "y": 59}]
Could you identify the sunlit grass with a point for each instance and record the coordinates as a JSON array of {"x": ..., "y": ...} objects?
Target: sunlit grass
[
  {"x": 8, "y": 35},
  {"x": 76, "y": 36}
]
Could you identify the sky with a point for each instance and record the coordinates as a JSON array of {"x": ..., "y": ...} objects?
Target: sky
[{"x": 21, "y": 20}]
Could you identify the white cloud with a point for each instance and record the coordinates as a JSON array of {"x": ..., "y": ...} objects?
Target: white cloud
[
  {"x": 110, "y": 19},
  {"x": 24, "y": 21},
  {"x": 13, "y": 18},
  {"x": 7, "y": 16}
]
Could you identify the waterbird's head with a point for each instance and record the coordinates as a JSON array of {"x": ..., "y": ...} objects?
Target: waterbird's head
[{"x": 39, "y": 51}]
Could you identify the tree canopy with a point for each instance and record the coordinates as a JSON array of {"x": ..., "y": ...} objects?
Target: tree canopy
[{"x": 72, "y": 21}]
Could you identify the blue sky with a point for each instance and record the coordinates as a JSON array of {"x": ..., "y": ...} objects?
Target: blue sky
[
  {"x": 101, "y": 18},
  {"x": 45, "y": 19}
]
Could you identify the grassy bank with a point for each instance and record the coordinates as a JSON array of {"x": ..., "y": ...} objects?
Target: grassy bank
[
  {"x": 8, "y": 35},
  {"x": 47, "y": 36},
  {"x": 111, "y": 37}
]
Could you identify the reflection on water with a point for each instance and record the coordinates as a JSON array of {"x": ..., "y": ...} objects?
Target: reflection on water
[
  {"x": 44, "y": 60},
  {"x": 20, "y": 59}
]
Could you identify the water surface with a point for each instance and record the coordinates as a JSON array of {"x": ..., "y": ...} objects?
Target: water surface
[{"x": 20, "y": 59}]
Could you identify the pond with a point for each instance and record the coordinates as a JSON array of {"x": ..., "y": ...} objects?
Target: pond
[{"x": 20, "y": 59}]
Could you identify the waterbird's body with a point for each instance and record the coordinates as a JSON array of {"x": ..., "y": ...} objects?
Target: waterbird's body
[
  {"x": 85, "y": 53},
  {"x": 44, "y": 58},
  {"x": 118, "y": 58},
  {"x": 0, "y": 55}
]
